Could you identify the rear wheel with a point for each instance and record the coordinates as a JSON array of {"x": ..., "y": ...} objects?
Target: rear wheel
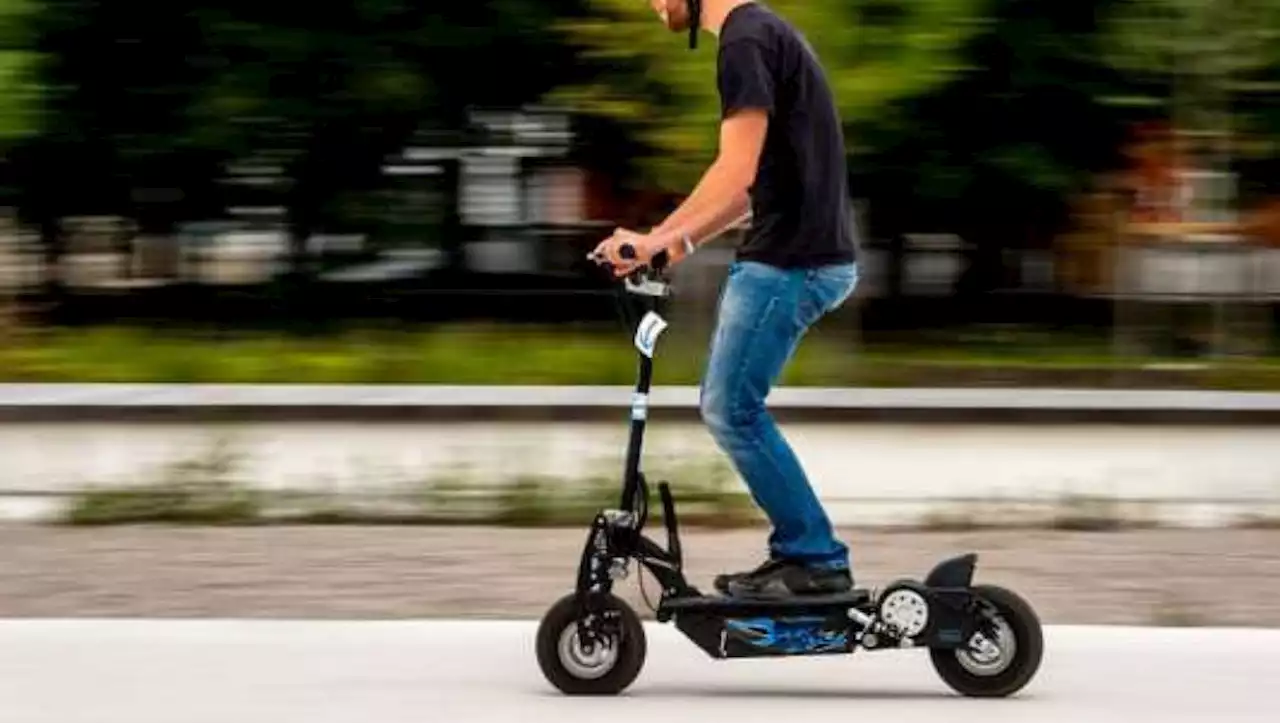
[
  {"x": 606, "y": 668},
  {"x": 1003, "y": 664}
]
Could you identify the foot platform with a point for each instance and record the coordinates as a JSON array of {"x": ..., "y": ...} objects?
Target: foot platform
[{"x": 740, "y": 627}]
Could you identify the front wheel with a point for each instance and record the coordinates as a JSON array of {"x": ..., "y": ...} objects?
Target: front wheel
[
  {"x": 605, "y": 669},
  {"x": 996, "y": 668}
]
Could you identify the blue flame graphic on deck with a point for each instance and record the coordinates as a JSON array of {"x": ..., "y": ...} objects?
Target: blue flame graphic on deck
[{"x": 788, "y": 635}]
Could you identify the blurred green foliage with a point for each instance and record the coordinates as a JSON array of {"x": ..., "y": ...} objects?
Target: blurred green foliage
[
  {"x": 517, "y": 354},
  {"x": 1209, "y": 67},
  {"x": 643, "y": 77},
  {"x": 985, "y": 118},
  {"x": 139, "y": 96},
  {"x": 19, "y": 80},
  {"x": 201, "y": 490}
]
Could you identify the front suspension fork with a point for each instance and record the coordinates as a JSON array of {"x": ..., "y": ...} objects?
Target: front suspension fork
[{"x": 602, "y": 561}]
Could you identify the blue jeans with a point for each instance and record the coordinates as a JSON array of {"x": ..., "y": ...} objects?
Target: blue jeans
[{"x": 763, "y": 313}]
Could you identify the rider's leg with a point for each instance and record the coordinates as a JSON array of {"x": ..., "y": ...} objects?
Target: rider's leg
[{"x": 763, "y": 314}]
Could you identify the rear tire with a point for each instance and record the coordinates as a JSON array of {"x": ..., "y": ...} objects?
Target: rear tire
[
  {"x": 609, "y": 670},
  {"x": 1005, "y": 674}
]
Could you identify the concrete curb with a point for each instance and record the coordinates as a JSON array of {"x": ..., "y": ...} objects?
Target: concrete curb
[{"x": 233, "y": 402}]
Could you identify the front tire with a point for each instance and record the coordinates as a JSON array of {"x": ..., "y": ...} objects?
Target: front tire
[
  {"x": 1004, "y": 667},
  {"x": 609, "y": 669}
]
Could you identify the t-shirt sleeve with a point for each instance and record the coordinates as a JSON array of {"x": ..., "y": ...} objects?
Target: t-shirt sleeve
[{"x": 744, "y": 78}]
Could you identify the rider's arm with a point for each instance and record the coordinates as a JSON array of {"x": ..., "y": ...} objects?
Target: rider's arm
[
  {"x": 715, "y": 179},
  {"x": 721, "y": 196},
  {"x": 695, "y": 200}
]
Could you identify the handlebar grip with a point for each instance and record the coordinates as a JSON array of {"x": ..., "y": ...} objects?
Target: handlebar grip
[{"x": 657, "y": 263}]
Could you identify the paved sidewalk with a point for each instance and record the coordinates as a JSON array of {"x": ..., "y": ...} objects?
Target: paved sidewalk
[
  {"x": 1217, "y": 577},
  {"x": 235, "y": 671}
]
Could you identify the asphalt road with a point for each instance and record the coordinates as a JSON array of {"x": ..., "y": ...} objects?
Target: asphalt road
[{"x": 138, "y": 671}]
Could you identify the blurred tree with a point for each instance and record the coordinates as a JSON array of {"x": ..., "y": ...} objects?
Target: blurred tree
[
  {"x": 112, "y": 138},
  {"x": 19, "y": 118},
  {"x": 995, "y": 154},
  {"x": 19, "y": 82},
  {"x": 328, "y": 94},
  {"x": 978, "y": 117},
  {"x": 149, "y": 104},
  {"x": 644, "y": 79},
  {"x": 1210, "y": 67}
]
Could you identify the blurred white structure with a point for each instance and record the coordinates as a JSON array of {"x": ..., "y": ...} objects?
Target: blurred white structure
[{"x": 868, "y": 471}]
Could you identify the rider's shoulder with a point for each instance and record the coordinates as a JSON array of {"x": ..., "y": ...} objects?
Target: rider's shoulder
[{"x": 753, "y": 22}]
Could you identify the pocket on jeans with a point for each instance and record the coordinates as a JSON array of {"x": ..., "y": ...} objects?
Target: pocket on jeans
[{"x": 835, "y": 284}]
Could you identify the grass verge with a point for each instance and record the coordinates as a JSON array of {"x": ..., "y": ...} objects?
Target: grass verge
[
  {"x": 515, "y": 354},
  {"x": 207, "y": 491}
]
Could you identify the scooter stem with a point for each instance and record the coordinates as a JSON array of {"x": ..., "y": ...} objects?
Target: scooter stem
[{"x": 635, "y": 441}]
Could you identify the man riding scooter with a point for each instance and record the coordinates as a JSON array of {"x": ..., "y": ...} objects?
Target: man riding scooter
[{"x": 781, "y": 157}]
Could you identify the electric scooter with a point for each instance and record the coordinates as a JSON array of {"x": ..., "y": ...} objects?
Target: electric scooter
[{"x": 983, "y": 640}]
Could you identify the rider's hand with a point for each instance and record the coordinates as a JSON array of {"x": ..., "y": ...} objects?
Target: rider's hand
[{"x": 645, "y": 245}]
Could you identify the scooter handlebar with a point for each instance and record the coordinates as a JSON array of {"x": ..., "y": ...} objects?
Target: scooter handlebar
[
  {"x": 655, "y": 267},
  {"x": 657, "y": 263}
]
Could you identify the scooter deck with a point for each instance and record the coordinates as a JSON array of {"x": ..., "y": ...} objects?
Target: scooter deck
[
  {"x": 742, "y": 627},
  {"x": 728, "y": 604}
]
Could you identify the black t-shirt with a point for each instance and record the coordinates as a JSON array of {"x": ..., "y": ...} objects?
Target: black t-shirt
[{"x": 800, "y": 204}]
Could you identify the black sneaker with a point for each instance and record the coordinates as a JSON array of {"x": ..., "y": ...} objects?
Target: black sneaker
[
  {"x": 782, "y": 579},
  {"x": 722, "y": 582}
]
